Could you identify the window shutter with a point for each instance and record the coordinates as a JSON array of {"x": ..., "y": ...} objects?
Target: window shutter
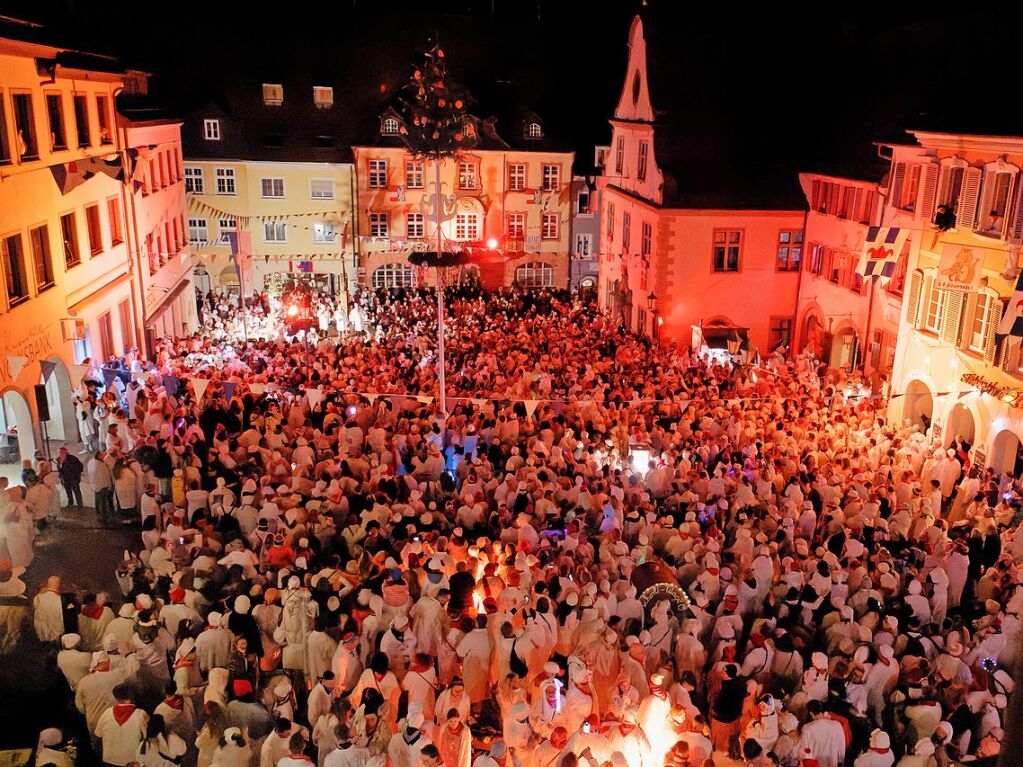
[
  {"x": 898, "y": 176},
  {"x": 1016, "y": 227},
  {"x": 928, "y": 192},
  {"x": 969, "y": 195},
  {"x": 991, "y": 345},
  {"x": 914, "y": 299},
  {"x": 950, "y": 320}
]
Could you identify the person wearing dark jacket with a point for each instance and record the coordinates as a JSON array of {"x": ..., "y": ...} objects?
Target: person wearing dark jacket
[
  {"x": 727, "y": 710},
  {"x": 70, "y": 470}
]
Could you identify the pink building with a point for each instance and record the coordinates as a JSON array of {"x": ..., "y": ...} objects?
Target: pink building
[{"x": 695, "y": 232}]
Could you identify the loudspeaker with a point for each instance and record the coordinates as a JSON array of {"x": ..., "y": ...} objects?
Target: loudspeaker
[{"x": 42, "y": 404}]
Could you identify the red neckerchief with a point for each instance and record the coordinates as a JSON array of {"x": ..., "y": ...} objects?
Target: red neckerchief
[
  {"x": 303, "y": 757},
  {"x": 583, "y": 688},
  {"x": 184, "y": 663},
  {"x": 123, "y": 712},
  {"x": 93, "y": 611},
  {"x": 625, "y": 729},
  {"x": 880, "y": 750},
  {"x": 174, "y": 701}
]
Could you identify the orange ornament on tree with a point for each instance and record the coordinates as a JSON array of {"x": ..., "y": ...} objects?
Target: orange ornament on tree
[
  {"x": 440, "y": 53},
  {"x": 418, "y": 75},
  {"x": 441, "y": 103},
  {"x": 458, "y": 137},
  {"x": 440, "y": 84},
  {"x": 458, "y": 104}
]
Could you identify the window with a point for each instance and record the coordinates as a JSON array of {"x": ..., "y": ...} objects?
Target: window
[
  {"x": 897, "y": 284},
  {"x": 910, "y": 186},
  {"x": 415, "y": 226},
  {"x": 198, "y": 231},
  {"x": 106, "y": 134},
  {"x": 225, "y": 225},
  {"x": 394, "y": 276},
  {"x": 378, "y": 225},
  {"x": 211, "y": 130},
  {"x": 951, "y": 186},
  {"x": 535, "y": 275},
  {"x": 272, "y": 187},
  {"x": 106, "y": 335},
  {"x": 582, "y": 245},
  {"x": 646, "y": 240},
  {"x": 377, "y": 174},
  {"x": 641, "y": 167},
  {"x": 611, "y": 222},
  {"x": 982, "y": 316},
  {"x": 275, "y": 231},
  {"x": 14, "y": 270},
  {"x": 127, "y": 325},
  {"x": 5, "y": 145},
  {"x": 194, "y": 183},
  {"x": 848, "y": 204},
  {"x": 517, "y": 177},
  {"x": 323, "y": 96},
  {"x": 164, "y": 170},
  {"x": 114, "y": 214},
  {"x": 790, "y": 250},
  {"x": 934, "y": 307},
  {"x": 549, "y": 226},
  {"x": 467, "y": 227},
  {"x": 781, "y": 332},
  {"x": 321, "y": 189},
  {"x": 626, "y": 231},
  {"x": 816, "y": 263},
  {"x": 620, "y": 155},
  {"x": 25, "y": 127},
  {"x": 55, "y": 115},
  {"x": 390, "y": 126},
  {"x": 69, "y": 233},
  {"x": 323, "y": 233},
  {"x": 468, "y": 175},
  {"x": 225, "y": 181},
  {"x": 727, "y": 249},
  {"x": 534, "y": 130},
  {"x": 39, "y": 238},
  {"x": 551, "y": 178},
  {"x": 582, "y": 202},
  {"x": 273, "y": 94},
  {"x": 516, "y": 226},
  {"x": 996, "y": 202},
  {"x": 414, "y": 174},
  {"x": 92, "y": 227}
]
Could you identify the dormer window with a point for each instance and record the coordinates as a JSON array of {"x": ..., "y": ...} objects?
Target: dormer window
[
  {"x": 534, "y": 130},
  {"x": 273, "y": 94},
  {"x": 390, "y": 126},
  {"x": 323, "y": 96}
]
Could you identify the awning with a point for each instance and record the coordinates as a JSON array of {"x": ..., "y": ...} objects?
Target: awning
[{"x": 167, "y": 300}]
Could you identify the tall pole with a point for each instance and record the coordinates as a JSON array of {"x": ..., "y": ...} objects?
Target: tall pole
[{"x": 440, "y": 292}]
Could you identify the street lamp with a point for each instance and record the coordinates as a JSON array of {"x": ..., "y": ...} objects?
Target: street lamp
[{"x": 651, "y": 302}]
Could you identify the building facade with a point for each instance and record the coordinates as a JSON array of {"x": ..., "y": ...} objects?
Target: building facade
[
  {"x": 961, "y": 196},
  {"x": 676, "y": 239},
  {"x": 585, "y": 265},
  {"x": 515, "y": 201},
  {"x": 270, "y": 161},
  {"x": 847, "y": 321},
  {"x": 68, "y": 282}
]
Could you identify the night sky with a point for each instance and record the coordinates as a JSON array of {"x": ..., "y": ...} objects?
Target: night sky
[{"x": 821, "y": 87}]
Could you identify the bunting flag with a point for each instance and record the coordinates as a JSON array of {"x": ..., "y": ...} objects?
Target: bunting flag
[
  {"x": 16, "y": 364},
  {"x": 1012, "y": 320},
  {"x": 199, "y": 385},
  {"x": 109, "y": 376},
  {"x": 480, "y": 403},
  {"x": 314, "y": 396},
  {"x": 371, "y": 398},
  {"x": 171, "y": 384},
  {"x": 257, "y": 388},
  {"x": 241, "y": 253},
  {"x": 531, "y": 406},
  {"x": 229, "y": 387},
  {"x": 79, "y": 372},
  {"x": 584, "y": 403},
  {"x": 425, "y": 399},
  {"x": 48, "y": 367},
  {"x": 73, "y": 174},
  {"x": 881, "y": 249}
]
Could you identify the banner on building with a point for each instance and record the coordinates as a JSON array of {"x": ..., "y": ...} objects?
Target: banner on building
[
  {"x": 70, "y": 175},
  {"x": 881, "y": 250},
  {"x": 960, "y": 267}
]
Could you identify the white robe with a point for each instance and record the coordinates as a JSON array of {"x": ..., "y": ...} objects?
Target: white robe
[
  {"x": 474, "y": 650},
  {"x": 48, "y": 616},
  {"x": 425, "y": 617}
]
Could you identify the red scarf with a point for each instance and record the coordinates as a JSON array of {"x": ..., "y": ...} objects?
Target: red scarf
[
  {"x": 174, "y": 701},
  {"x": 93, "y": 611},
  {"x": 123, "y": 712}
]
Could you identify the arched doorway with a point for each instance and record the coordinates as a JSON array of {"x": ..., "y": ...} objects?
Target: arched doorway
[
  {"x": 918, "y": 405},
  {"x": 960, "y": 424},
  {"x": 812, "y": 334},
  {"x": 843, "y": 348},
  {"x": 1006, "y": 453},
  {"x": 63, "y": 424},
  {"x": 17, "y": 432}
]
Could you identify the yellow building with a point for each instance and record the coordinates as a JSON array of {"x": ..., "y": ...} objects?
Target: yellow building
[
  {"x": 515, "y": 198},
  {"x": 68, "y": 279},
  {"x": 291, "y": 190}
]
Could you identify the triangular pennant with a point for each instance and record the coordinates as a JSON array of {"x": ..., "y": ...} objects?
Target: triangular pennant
[
  {"x": 480, "y": 402},
  {"x": 531, "y": 406},
  {"x": 257, "y": 388},
  {"x": 48, "y": 366},
  {"x": 199, "y": 385},
  {"x": 16, "y": 364},
  {"x": 425, "y": 399},
  {"x": 314, "y": 396},
  {"x": 79, "y": 372},
  {"x": 229, "y": 387},
  {"x": 109, "y": 376},
  {"x": 585, "y": 403},
  {"x": 371, "y": 398},
  {"x": 171, "y": 385}
]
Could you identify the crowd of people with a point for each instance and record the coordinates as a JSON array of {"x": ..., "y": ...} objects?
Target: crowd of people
[{"x": 605, "y": 551}]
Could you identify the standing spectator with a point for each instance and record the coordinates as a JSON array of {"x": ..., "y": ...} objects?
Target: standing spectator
[
  {"x": 70, "y": 470},
  {"x": 102, "y": 481}
]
